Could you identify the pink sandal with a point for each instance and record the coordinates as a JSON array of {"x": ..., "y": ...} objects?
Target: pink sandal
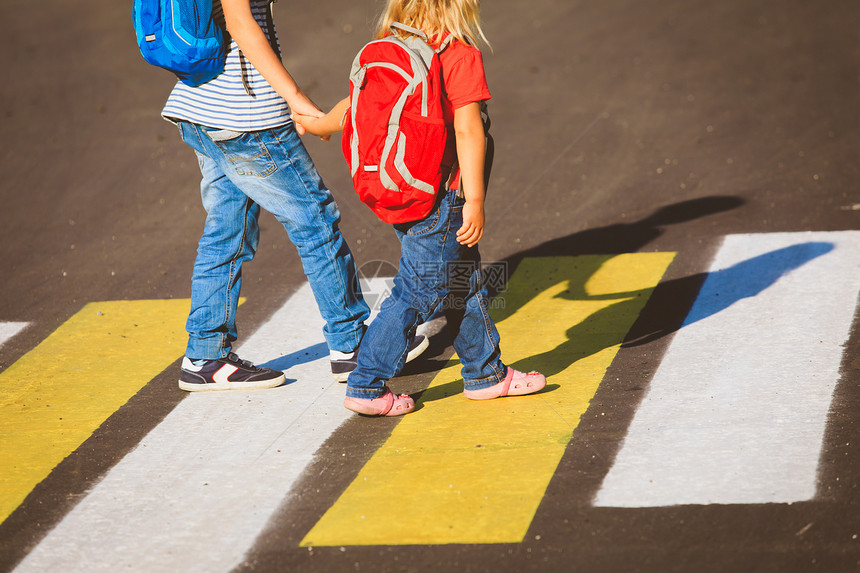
[
  {"x": 516, "y": 383},
  {"x": 386, "y": 405}
]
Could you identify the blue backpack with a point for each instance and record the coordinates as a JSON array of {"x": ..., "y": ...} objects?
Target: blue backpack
[{"x": 181, "y": 36}]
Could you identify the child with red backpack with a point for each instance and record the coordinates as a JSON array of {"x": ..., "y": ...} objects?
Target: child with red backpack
[{"x": 438, "y": 236}]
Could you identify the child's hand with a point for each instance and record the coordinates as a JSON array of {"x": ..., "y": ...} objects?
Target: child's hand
[
  {"x": 312, "y": 125},
  {"x": 323, "y": 125},
  {"x": 473, "y": 224},
  {"x": 302, "y": 105}
]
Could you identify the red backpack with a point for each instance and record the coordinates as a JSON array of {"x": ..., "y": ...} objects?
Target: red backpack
[{"x": 395, "y": 135}]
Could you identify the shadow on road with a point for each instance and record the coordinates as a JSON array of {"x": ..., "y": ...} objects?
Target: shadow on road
[{"x": 669, "y": 305}]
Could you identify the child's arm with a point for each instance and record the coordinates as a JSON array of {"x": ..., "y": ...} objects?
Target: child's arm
[
  {"x": 325, "y": 126},
  {"x": 252, "y": 40},
  {"x": 471, "y": 153}
]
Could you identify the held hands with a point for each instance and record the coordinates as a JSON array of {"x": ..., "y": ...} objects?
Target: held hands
[
  {"x": 315, "y": 125},
  {"x": 473, "y": 224},
  {"x": 302, "y": 106},
  {"x": 323, "y": 125}
]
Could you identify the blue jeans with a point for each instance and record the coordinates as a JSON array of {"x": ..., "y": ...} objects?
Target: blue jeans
[
  {"x": 434, "y": 270},
  {"x": 243, "y": 172}
]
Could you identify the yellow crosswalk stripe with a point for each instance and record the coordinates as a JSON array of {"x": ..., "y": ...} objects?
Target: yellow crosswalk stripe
[
  {"x": 458, "y": 471},
  {"x": 58, "y": 394}
]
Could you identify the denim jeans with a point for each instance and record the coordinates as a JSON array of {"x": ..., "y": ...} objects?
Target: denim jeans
[
  {"x": 434, "y": 270},
  {"x": 270, "y": 169}
]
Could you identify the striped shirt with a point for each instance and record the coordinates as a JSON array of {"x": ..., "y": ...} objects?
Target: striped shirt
[{"x": 224, "y": 102}]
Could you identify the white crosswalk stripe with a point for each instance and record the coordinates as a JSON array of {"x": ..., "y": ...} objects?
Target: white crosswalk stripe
[
  {"x": 735, "y": 414},
  {"x": 199, "y": 489},
  {"x": 737, "y": 410},
  {"x": 10, "y": 329}
]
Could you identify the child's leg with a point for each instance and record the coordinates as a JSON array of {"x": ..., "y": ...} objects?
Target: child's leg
[
  {"x": 432, "y": 264},
  {"x": 274, "y": 169},
  {"x": 419, "y": 288},
  {"x": 414, "y": 297},
  {"x": 382, "y": 353},
  {"x": 477, "y": 344},
  {"x": 476, "y": 339},
  {"x": 230, "y": 238},
  {"x": 474, "y": 333}
]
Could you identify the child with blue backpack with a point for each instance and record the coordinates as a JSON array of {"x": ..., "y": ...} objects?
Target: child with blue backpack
[
  {"x": 436, "y": 248},
  {"x": 251, "y": 157}
]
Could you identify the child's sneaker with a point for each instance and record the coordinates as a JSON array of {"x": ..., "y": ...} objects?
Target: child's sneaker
[
  {"x": 516, "y": 383},
  {"x": 231, "y": 373},
  {"x": 342, "y": 363}
]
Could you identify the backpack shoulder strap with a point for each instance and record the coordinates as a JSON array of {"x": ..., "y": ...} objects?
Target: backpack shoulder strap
[
  {"x": 444, "y": 43},
  {"x": 273, "y": 42},
  {"x": 270, "y": 25},
  {"x": 395, "y": 26}
]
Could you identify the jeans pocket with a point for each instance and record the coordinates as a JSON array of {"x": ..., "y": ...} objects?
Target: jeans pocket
[
  {"x": 246, "y": 151},
  {"x": 427, "y": 224}
]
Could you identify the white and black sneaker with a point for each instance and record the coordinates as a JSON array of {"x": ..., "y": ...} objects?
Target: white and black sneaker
[
  {"x": 344, "y": 363},
  {"x": 231, "y": 373}
]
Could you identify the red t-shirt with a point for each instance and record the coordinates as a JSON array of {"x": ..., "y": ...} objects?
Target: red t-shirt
[{"x": 464, "y": 82}]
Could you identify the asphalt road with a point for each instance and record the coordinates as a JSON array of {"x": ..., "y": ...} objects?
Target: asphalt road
[{"x": 620, "y": 127}]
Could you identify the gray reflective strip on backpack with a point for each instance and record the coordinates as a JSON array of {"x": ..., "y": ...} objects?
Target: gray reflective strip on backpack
[
  {"x": 391, "y": 138},
  {"x": 400, "y": 164},
  {"x": 421, "y": 55},
  {"x": 357, "y": 79},
  {"x": 356, "y": 76}
]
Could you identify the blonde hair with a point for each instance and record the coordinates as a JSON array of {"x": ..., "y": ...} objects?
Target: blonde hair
[{"x": 460, "y": 18}]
